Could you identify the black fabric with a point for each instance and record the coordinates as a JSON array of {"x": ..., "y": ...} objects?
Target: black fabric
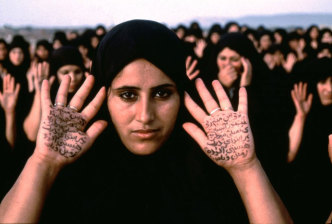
[
  {"x": 66, "y": 55},
  {"x": 177, "y": 184}
]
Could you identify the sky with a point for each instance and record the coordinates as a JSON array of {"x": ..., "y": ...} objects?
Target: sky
[{"x": 67, "y": 13}]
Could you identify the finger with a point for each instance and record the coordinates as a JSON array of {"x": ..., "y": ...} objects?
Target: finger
[
  {"x": 224, "y": 102},
  {"x": 45, "y": 96},
  {"x": 82, "y": 93},
  {"x": 95, "y": 130},
  {"x": 243, "y": 101},
  {"x": 39, "y": 71},
  {"x": 310, "y": 97},
  {"x": 300, "y": 90},
  {"x": 46, "y": 69},
  {"x": 296, "y": 91},
  {"x": 93, "y": 107},
  {"x": 192, "y": 66},
  {"x": 51, "y": 80},
  {"x": 194, "y": 75},
  {"x": 188, "y": 60},
  {"x": 304, "y": 91},
  {"x": 6, "y": 83},
  {"x": 17, "y": 89},
  {"x": 209, "y": 103},
  {"x": 11, "y": 84},
  {"x": 194, "y": 109},
  {"x": 244, "y": 64},
  {"x": 61, "y": 96},
  {"x": 196, "y": 133}
]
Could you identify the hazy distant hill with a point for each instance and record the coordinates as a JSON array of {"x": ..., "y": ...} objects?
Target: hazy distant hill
[{"x": 278, "y": 20}]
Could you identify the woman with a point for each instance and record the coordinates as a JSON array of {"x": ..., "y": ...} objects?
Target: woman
[
  {"x": 308, "y": 145},
  {"x": 144, "y": 99}
]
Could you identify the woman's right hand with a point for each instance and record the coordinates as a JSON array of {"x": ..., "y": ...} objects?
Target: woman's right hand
[
  {"x": 301, "y": 101},
  {"x": 62, "y": 137}
]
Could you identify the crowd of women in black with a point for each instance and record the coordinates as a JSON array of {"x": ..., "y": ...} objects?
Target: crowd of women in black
[{"x": 287, "y": 75}]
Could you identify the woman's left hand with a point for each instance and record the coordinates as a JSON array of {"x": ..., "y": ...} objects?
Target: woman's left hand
[
  {"x": 246, "y": 75},
  {"x": 227, "y": 138}
]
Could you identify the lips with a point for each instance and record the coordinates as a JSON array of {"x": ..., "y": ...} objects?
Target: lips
[{"x": 145, "y": 133}]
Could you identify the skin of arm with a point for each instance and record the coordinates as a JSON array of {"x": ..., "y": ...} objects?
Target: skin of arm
[
  {"x": 61, "y": 140},
  {"x": 227, "y": 140},
  {"x": 302, "y": 105},
  {"x": 31, "y": 122}
]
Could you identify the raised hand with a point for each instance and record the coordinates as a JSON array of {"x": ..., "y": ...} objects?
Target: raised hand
[
  {"x": 227, "y": 138},
  {"x": 301, "y": 101},
  {"x": 8, "y": 99},
  {"x": 62, "y": 137},
  {"x": 227, "y": 76},
  {"x": 36, "y": 74},
  {"x": 190, "y": 68},
  {"x": 246, "y": 75}
]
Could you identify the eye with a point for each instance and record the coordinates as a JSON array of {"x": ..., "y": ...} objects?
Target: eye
[
  {"x": 162, "y": 93},
  {"x": 64, "y": 72},
  {"x": 128, "y": 96},
  {"x": 235, "y": 59},
  {"x": 223, "y": 58}
]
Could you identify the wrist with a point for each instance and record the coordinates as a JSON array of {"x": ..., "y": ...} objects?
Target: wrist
[
  {"x": 300, "y": 116},
  {"x": 245, "y": 168},
  {"x": 44, "y": 165}
]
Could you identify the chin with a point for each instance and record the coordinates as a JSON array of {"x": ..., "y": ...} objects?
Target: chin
[{"x": 143, "y": 149}]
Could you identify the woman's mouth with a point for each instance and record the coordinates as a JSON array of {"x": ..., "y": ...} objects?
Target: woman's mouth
[{"x": 145, "y": 133}]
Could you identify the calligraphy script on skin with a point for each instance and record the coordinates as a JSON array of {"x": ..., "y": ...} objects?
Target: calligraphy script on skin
[
  {"x": 64, "y": 133},
  {"x": 228, "y": 136}
]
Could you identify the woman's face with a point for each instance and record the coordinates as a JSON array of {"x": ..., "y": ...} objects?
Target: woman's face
[
  {"x": 314, "y": 33},
  {"x": 42, "y": 52},
  {"x": 57, "y": 44},
  {"x": 16, "y": 56},
  {"x": 228, "y": 57},
  {"x": 75, "y": 73},
  {"x": 327, "y": 38},
  {"x": 143, "y": 103},
  {"x": 324, "y": 89},
  {"x": 265, "y": 42},
  {"x": 215, "y": 37},
  {"x": 3, "y": 51}
]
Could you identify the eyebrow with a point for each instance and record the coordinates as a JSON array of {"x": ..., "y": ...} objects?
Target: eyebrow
[{"x": 136, "y": 88}]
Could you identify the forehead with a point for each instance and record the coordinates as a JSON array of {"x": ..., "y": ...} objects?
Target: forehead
[
  {"x": 69, "y": 67},
  {"x": 16, "y": 50},
  {"x": 141, "y": 73},
  {"x": 228, "y": 52}
]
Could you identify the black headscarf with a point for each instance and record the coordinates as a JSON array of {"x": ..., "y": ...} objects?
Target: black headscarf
[
  {"x": 139, "y": 39},
  {"x": 66, "y": 55}
]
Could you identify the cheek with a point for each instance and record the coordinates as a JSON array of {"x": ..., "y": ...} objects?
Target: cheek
[
  {"x": 168, "y": 114},
  {"x": 237, "y": 66}
]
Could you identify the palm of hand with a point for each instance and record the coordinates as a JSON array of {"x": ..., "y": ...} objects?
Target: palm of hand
[
  {"x": 8, "y": 102},
  {"x": 62, "y": 134},
  {"x": 229, "y": 138},
  {"x": 304, "y": 106}
]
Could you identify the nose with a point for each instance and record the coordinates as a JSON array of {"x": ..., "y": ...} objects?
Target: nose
[
  {"x": 144, "y": 110},
  {"x": 329, "y": 85},
  {"x": 72, "y": 76}
]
